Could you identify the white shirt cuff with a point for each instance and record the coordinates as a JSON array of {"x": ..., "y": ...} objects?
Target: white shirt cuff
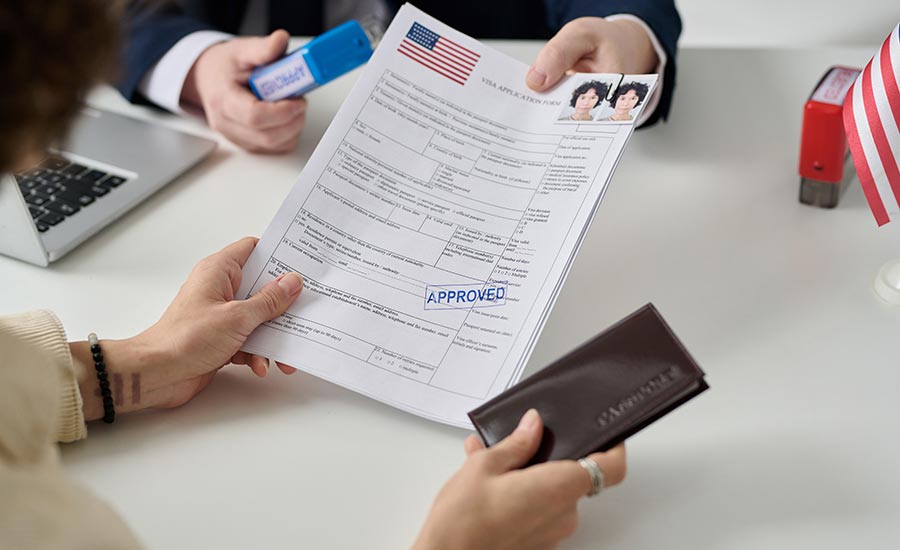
[
  {"x": 163, "y": 82},
  {"x": 648, "y": 109}
]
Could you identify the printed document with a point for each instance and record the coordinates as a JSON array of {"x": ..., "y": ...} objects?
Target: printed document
[{"x": 437, "y": 219}]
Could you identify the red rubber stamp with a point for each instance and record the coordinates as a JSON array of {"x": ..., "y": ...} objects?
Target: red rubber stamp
[{"x": 825, "y": 165}]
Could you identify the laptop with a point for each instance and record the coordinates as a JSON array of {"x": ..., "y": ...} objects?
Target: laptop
[{"x": 109, "y": 164}]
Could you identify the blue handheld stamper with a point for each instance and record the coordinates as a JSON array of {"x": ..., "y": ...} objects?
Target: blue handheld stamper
[{"x": 321, "y": 60}]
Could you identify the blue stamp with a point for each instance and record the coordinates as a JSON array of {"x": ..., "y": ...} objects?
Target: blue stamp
[{"x": 465, "y": 296}]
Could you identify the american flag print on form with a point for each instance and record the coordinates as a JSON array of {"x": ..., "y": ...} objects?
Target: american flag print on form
[
  {"x": 443, "y": 56},
  {"x": 872, "y": 122}
]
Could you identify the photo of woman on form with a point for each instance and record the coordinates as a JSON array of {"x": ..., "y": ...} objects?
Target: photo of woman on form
[
  {"x": 626, "y": 102},
  {"x": 585, "y": 98}
]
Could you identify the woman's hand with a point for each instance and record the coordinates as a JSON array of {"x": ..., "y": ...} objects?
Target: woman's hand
[
  {"x": 201, "y": 331},
  {"x": 489, "y": 504},
  {"x": 593, "y": 45}
]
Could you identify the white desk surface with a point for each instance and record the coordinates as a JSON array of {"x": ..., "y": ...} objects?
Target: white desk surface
[{"x": 796, "y": 445}]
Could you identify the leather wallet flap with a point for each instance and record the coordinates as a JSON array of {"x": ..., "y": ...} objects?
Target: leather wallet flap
[{"x": 607, "y": 389}]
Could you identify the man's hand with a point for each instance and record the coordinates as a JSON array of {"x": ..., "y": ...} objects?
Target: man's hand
[
  {"x": 217, "y": 83},
  {"x": 593, "y": 45}
]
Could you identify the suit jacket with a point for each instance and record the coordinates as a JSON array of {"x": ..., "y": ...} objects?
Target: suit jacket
[{"x": 152, "y": 28}]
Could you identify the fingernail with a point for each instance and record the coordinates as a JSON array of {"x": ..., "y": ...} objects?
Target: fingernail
[
  {"x": 536, "y": 77},
  {"x": 529, "y": 420},
  {"x": 292, "y": 283}
]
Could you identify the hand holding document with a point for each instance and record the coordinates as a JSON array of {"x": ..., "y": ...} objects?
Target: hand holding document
[{"x": 437, "y": 219}]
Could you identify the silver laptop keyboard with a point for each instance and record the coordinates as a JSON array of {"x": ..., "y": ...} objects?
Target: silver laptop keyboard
[{"x": 59, "y": 188}]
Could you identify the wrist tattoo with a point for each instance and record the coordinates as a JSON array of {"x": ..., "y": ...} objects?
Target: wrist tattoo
[
  {"x": 135, "y": 388},
  {"x": 118, "y": 388}
]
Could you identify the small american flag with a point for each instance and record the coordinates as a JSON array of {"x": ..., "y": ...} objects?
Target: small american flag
[
  {"x": 439, "y": 54},
  {"x": 872, "y": 122}
]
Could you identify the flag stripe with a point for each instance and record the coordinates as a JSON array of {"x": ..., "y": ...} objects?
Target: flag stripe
[
  {"x": 442, "y": 49},
  {"x": 439, "y": 53},
  {"x": 462, "y": 51},
  {"x": 889, "y": 78},
  {"x": 888, "y": 162},
  {"x": 430, "y": 66},
  {"x": 424, "y": 53},
  {"x": 869, "y": 153},
  {"x": 883, "y": 100},
  {"x": 862, "y": 168},
  {"x": 418, "y": 51}
]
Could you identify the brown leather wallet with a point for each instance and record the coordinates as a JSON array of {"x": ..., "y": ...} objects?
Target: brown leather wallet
[{"x": 608, "y": 389}]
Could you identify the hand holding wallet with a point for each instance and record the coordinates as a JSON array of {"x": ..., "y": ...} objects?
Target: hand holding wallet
[{"x": 596, "y": 396}]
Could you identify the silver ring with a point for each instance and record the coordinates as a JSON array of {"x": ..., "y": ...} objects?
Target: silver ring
[{"x": 596, "y": 475}]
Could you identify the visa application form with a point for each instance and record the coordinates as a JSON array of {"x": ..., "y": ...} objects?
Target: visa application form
[{"x": 437, "y": 219}]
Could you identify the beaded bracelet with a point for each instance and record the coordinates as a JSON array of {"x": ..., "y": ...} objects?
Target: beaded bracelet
[{"x": 109, "y": 412}]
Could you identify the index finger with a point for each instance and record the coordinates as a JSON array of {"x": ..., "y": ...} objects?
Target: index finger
[
  {"x": 560, "y": 54},
  {"x": 240, "y": 251},
  {"x": 242, "y": 107},
  {"x": 287, "y": 369}
]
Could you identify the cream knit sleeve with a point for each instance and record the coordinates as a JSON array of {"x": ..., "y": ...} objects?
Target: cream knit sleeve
[
  {"x": 40, "y": 403},
  {"x": 42, "y": 330}
]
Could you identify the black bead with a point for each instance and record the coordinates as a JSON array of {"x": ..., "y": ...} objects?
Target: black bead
[{"x": 109, "y": 411}]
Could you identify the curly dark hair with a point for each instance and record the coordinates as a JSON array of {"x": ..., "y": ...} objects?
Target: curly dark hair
[
  {"x": 51, "y": 53},
  {"x": 599, "y": 87},
  {"x": 639, "y": 88}
]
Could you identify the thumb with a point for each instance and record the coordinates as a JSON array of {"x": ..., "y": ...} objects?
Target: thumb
[
  {"x": 260, "y": 50},
  {"x": 518, "y": 447},
  {"x": 560, "y": 54},
  {"x": 272, "y": 300}
]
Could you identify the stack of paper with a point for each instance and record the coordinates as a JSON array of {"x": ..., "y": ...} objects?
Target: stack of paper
[{"x": 436, "y": 221}]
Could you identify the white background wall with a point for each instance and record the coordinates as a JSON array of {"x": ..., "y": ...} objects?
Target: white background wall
[{"x": 761, "y": 23}]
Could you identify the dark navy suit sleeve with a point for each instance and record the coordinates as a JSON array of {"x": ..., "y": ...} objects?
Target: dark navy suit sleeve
[
  {"x": 149, "y": 34},
  {"x": 660, "y": 15}
]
